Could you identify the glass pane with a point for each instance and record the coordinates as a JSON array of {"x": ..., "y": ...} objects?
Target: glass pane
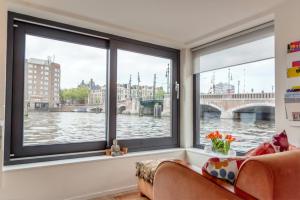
[
  {"x": 64, "y": 92},
  {"x": 240, "y": 101},
  {"x": 143, "y": 99}
]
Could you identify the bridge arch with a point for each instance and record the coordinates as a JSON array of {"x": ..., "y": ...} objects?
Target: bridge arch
[
  {"x": 258, "y": 110},
  {"x": 210, "y": 108},
  {"x": 121, "y": 109}
]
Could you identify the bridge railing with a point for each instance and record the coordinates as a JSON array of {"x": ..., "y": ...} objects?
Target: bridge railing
[{"x": 239, "y": 96}]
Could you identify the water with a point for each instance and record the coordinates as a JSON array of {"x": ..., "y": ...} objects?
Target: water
[
  {"x": 248, "y": 131},
  {"x": 41, "y": 128}
]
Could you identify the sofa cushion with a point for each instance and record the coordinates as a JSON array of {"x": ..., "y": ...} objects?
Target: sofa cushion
[
  {"x": 279, "y": 143},
  {"x": 262, "y": 149},
  {"x": 146, "y": 169},
  {"x": 223, "y": 168}
]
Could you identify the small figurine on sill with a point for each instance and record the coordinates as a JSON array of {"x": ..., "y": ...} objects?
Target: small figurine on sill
[{"x": 115, "y": 149}]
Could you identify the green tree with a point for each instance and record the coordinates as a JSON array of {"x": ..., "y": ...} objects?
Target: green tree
[
  {"x": 159, "y": 94},
  {"x": 77, "y": 95}
]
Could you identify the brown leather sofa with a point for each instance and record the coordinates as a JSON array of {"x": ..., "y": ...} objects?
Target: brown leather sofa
[{"x": 267, "y": 177}]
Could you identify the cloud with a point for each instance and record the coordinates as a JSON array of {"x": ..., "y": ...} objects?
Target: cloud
[
  {"x": 78, "y": 62},
  {"x": 81, "y": 62}
]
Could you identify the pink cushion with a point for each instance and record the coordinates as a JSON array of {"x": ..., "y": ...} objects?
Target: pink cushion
[
  {"x": 264, "y": 148},
  {"x": 279, "y": 143}
]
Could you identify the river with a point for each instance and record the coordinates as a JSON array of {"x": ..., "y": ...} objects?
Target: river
[
  {"x": 41, "y": 128},
  {"x": 248, "y": 131}
]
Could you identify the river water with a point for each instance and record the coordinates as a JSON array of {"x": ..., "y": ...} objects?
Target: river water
[
  {"x": 41, "y": 128},
  {"x": 248, "y": 131}
]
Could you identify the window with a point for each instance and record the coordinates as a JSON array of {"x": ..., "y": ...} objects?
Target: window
[
  {"x": 234, "y": 85},
  {"x": 84, "y": 93},
  {"x": 138, "y": 108},
  {"x": 143, "y": 96}
]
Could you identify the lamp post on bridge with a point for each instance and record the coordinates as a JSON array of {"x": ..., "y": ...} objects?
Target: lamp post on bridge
[{"x": 154, "y": 85}]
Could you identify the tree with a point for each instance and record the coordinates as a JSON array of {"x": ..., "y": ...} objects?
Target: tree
[
  {"x": 159, "y": 94},
  {"x": 77, "y": 95}
]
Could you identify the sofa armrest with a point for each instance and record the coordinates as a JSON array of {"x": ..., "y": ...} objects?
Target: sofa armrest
[
  {"x": 177, "y": 181},
  {"x": 272, "y": 176}
]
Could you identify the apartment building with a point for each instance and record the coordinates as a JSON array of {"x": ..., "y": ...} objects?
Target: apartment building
[{"x": 42, "y": 84}]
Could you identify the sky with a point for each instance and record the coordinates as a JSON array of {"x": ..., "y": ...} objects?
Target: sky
[
  {"x": 258, "y": 74},
  {"x": 80, "y": 62}
]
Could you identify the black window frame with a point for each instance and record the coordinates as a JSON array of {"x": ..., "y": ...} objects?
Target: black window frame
[
  {"x": 196, "y": 111},
  {"x": 149, "y": 143},
  {"x": 18, "y": 26}
]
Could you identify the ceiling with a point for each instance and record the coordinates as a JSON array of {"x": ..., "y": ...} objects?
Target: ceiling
[{"x": 179, "y": 21}]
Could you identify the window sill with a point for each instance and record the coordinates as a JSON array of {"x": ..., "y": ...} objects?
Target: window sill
[
  {"x": 198, "y": 151},
  {"x": 205, "y": 153},
  {"x": 87, "y": 159}
]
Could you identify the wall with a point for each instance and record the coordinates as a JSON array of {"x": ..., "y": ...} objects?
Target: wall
[
  {"x": 186, "y": 99},
  {"x": 84, "y": 180},
  {"x": 286, "y": 30}
]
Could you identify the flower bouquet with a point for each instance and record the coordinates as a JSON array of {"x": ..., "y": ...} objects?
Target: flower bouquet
[{"x": 220, "y": 142}]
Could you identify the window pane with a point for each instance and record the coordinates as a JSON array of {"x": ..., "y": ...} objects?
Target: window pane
[
  {"x": 143, "y": 98},
  {"x": 240, "y": 54},
  {"x": 64, "y": 92},
  {"x": 239, "y": 100}
]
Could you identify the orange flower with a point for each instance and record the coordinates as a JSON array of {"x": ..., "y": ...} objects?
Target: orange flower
[
  {"x": 218, "y": 135},
  {"x": 229, "y": 138},
  {"x": 211, "y": 136},
  {"x": 214, "y": 135}
]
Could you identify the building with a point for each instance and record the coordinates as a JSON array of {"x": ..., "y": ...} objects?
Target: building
[
  {"x": 91, "y": 85},
  {"x": 224, "y": 88},
  {"x": 97, "y": 96},
  {"x": 42, "y": 84}
]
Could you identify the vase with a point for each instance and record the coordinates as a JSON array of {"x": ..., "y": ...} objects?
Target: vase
[{"x": 220, "y": 146}]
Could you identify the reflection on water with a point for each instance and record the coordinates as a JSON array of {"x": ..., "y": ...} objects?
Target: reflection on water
[
  {"x": 42, "y": 128},
  {"x": 248, "y": 131}
]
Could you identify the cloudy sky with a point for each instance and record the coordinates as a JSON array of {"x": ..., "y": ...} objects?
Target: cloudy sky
[
  {"x": 259, "y": 75},
  {"x": 79, "y": 62}
]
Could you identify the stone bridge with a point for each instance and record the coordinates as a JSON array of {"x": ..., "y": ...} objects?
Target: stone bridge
[
  {"x": 128, "y": 106},
  {"x": 232, "y": 105},
  {"x": 144, "y": 106}
]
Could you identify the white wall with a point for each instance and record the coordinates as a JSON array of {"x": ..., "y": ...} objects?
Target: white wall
[
  {"x": 286, "y": 31},
  {"x": 186, "y": 99},
  {"x": 83, "y": 180}
]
